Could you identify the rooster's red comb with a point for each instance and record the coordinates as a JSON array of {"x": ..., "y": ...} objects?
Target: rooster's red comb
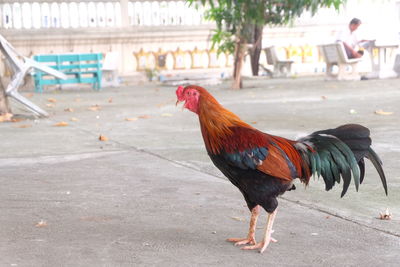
[{"x": 179, "y": 93}]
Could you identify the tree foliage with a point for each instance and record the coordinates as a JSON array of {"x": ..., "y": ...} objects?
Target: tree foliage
[
  {"x": 240, "y": 22},
  {"x": 236, "y": 18}
]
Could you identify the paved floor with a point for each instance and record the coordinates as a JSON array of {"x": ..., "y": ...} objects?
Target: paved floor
[{"x": 149, "y": 195}]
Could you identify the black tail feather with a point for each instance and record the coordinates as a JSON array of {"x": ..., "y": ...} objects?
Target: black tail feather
[
  {"x": 376, "y": 161},
  {"x": 343, "y": 150},
  {"x": 361, "y": 165}
]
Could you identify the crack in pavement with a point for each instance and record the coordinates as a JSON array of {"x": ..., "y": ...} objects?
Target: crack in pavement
[
  {"x": 296, "y": 202},
  {"x": 127, "y": 147}
]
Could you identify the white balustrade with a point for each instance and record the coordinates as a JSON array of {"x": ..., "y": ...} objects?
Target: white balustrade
[{"x": 75, "y": 14}]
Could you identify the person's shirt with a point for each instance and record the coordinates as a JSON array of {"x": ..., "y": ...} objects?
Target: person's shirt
[{"x": 348, "y": 37}]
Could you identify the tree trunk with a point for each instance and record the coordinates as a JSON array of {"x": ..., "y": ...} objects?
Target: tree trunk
[
  {"x": 240, "y": 51},
  {"x": 4, "y": 106},
  {"x": 256, "y": 49}
]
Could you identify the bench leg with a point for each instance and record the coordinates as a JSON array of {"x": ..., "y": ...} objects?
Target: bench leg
[
  {"x": 354, "y": 71},
  {"x": 329, "y": 72},
  {"x": 277, "y": 71},
  {"x": 285, "y": 69},
  {"x": 348, "y": 75},
  {"x": 342, "y": 71},
  {"x": 97, "y": 84},
  {"x": 282, "y": 69},
  {"x": 99, "y": 77},
  {"x": 289, "y": 69},
  {"x": 38, "y": 87}
]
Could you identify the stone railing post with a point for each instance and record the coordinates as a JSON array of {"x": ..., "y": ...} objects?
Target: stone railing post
[{"x": 124, "y": 13}]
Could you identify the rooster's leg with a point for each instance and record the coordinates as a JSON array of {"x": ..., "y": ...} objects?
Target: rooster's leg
[
  {"x": 267, "y": 236},
  {"x": 250, "y": 239}
]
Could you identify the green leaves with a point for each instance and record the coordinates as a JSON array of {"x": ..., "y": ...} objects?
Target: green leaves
[
  {"x": 225, "y": 40},
  {"x": 233, "y": 17},
  {"x": 239, "y": 21}
]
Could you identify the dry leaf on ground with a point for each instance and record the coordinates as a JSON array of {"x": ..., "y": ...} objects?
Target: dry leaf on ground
[
  {"x": 73, "y": 119},
  {"x": 61, "y": 124},
  {"x": 238, "y": 219},
  {"x": 52, "y": 100},
  {"x": 23, "y": 126},
  {"x": 166, "y": 115},
  {"x": 50, "y": 105},
  {"x": 29, "y": 95},
  {"x": 42, "y": 223},
  {"x": 17, "y": 119},
  {"x": 78, "y": 100},
  {"x": 103, "y": 138},
  {"x": 69, "y": 110},
  {"x": 6, "y": 117},
  {"x": 110, "y": 100},
  {"x": 131, "y": 119},
  {"x": 94, "y": 108},
  {"x": 144, "y": 117},
  {"x": 385, "y": 216},
  {"x": 381, "y": 112}
]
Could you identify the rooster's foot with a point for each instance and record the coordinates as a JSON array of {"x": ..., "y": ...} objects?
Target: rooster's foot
[
  {"x": 261, "y": 246},
  {"x": 242, "y": 241}
]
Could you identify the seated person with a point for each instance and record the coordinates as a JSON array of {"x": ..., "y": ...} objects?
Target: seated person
[{"x": 349, "y": 39}]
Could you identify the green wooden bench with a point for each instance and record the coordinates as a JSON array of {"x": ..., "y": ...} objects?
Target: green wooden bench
[{"x": 79, "y": 68}]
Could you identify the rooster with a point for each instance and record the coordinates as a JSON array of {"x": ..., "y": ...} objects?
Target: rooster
[{"x": 263, "y": 166}]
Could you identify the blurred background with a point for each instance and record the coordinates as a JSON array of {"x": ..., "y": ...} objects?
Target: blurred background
[{"x": 139, "y": 39}]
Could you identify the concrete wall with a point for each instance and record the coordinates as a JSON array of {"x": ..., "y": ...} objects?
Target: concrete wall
[
  {"x": 129, "y": 41},
  {"x": 126, "y": 41}
]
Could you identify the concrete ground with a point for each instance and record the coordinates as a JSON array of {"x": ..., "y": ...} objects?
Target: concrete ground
[{"x": 150, "y": 196}]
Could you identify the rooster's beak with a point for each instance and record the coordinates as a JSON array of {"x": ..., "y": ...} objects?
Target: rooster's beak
[{"x": 178, "y": 101}]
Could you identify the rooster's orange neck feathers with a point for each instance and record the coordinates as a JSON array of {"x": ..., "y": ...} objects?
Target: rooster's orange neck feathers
[{"x": 216, "y": 121}]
